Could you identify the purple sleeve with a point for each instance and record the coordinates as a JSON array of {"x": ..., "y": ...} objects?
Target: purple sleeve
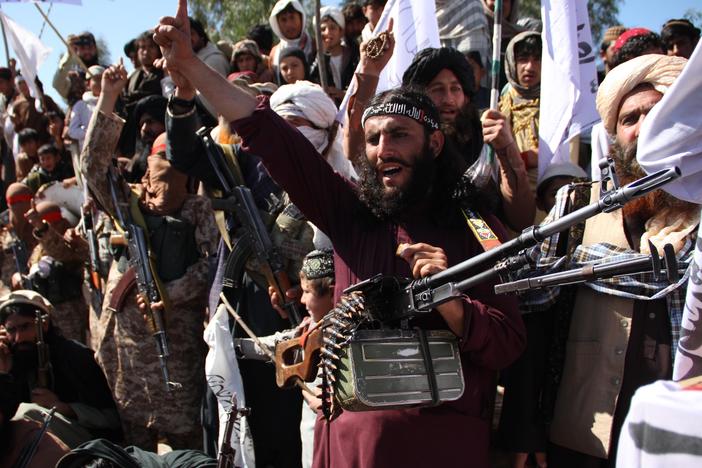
[
  {"x": 493, "y": 334},
  {"x": 324, "y": 196}
]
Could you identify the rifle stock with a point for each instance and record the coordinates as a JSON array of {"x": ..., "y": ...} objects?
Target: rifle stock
[{"x": 288, "y": 368}]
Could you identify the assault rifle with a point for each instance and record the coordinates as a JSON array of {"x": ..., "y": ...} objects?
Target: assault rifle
[
  {"x": 95, "y": 282},
  {"x": 139, "y": 260},
  {"x": 227, "y": 454},
  {"x": 254, "y": 240},
  {"x": 19, "y": 250},
  {"x": 391, "y": 300},
  {"x": 43, "y": 361}
]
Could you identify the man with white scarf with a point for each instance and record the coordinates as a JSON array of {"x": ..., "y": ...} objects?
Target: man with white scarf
[{"x": 307, "y": 107}]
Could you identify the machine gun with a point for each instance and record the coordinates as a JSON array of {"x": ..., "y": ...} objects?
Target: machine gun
[
  {"x": 594, "y": 271},
  {"x": 390, "y": 300},
  {"x": 140, "y": 261},
  {"x": 227, "y": 454},
  {"x": 254, "y": 240},
  {"x": 43, "y": 361}
]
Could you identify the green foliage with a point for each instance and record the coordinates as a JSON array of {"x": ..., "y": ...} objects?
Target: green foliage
[
  {"x": 231, "y": 19},
  {"x": 694, "y": 15},
  {"x": 603, "y": 14}
]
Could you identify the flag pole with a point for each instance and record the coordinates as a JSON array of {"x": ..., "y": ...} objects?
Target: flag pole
[
  {"x": 70, "y": 49},
  {"x": 496, "y": 66},
  {"x": 4, "y": 39},
  {"x": 318, "y": 38}
]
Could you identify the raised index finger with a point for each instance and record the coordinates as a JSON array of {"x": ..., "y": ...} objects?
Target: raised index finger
[{"x": 182, "y": 20}]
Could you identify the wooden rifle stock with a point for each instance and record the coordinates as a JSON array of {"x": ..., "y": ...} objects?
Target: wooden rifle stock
[{"x": 287, "y": 370}]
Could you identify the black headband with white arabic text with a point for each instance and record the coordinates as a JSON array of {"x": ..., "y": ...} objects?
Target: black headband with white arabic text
[{"x": 404, "y": 108}]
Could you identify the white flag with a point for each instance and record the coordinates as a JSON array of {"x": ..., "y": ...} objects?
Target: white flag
[
  {"x": 568, "y": 78},
  {"x": 223, "y": 377},
  {"x": 415, "y": 28},
  {"x": 30, "y": 51},
  {"x": 671, "y": 136}
]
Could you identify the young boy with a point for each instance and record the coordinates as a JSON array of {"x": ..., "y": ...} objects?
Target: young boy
[
  {"x": 288, "y": 21},
  {"x": 339, "y": 61},
  {"x": 49, "y": 168}
]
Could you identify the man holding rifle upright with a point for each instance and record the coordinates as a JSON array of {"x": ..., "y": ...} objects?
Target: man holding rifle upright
[
  {"x": 154, "y": 367},
  {"x": 49, "y": 371},
  {"x": 408, "y": 195}
]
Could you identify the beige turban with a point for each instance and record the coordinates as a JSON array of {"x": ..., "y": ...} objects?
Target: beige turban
[{"x": 658, "y": 70}]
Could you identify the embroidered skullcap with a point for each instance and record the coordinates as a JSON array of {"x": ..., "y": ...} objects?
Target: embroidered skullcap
[
  {"x": 318, "y": 264},
  {"x": 307, "y": 100},
  {"x": 613, "y": 33},
  {"x": 658, "y": 70},
  {"x": 429, "y": 62}
]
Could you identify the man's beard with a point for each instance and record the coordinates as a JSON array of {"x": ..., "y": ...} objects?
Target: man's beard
[
  {"x": 388, "y": 204},
  {"x": 24, "y": 356},
  {"x": 466, "y": 132},
  {"x": 628, "y": 170}
]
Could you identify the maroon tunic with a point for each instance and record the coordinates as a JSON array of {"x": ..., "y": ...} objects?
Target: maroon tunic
[{"x": 452, "y": 434}]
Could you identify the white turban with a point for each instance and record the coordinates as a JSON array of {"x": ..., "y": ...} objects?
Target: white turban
[
  {"x": 308, "y": 100},
  {"x": 334, "y": 13},
  {"x": 658, "y": 70}
]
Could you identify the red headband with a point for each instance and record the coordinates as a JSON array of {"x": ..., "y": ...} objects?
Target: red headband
[
  {"x": 626, "y": 35},
  {"x": 52, "y": 217},
  {"x": 161, "y": 148},
  {"x": 19, "y": 198}
]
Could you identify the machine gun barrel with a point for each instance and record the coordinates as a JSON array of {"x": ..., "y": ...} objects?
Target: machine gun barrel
[
  {"x": 423, "y": 295},
  {"x": 590, "y": 272},
  {"x": 530, "y": 236}
]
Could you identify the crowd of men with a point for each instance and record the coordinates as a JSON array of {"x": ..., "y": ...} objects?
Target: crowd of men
[{"x": 128, "y": 227}]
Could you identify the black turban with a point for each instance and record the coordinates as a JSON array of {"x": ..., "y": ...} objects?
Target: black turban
[
  {"x": 429, "y": 62},
  {"x": 153, "y": 105}
]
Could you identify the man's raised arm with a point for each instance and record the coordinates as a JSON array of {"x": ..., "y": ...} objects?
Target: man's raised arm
[{"x": 172, "y": 34}]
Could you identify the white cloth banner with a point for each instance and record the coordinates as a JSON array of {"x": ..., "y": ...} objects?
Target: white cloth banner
[
  {"x": 662, "y": 428},
  {"x": 568, "y": 78},
  {"x": 671, "y": 135},
  {"x": 30, "y": 51},
  {"x": 415, "y": 28},
  {"x": 223, "y": 377}
]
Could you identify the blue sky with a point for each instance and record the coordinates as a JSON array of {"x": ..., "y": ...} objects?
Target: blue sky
[{"x": 117, "y": 21}]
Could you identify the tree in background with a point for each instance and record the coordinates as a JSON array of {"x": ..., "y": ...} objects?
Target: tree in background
[
  {"x": 232, "y": 19},
  {"x": 694, "y": 15},
  {"x": 603, "y": 14}
]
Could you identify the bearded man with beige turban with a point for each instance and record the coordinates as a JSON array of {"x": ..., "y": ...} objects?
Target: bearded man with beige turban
[{"x": 622, "y": 332}]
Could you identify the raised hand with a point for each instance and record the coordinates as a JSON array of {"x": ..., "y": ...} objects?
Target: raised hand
[
  {"x": 172, "y": 34},
  {"x": 496, "y": 130},
  {"x": 373, "y": 64},
  {"x": 113, "y": 80}
]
